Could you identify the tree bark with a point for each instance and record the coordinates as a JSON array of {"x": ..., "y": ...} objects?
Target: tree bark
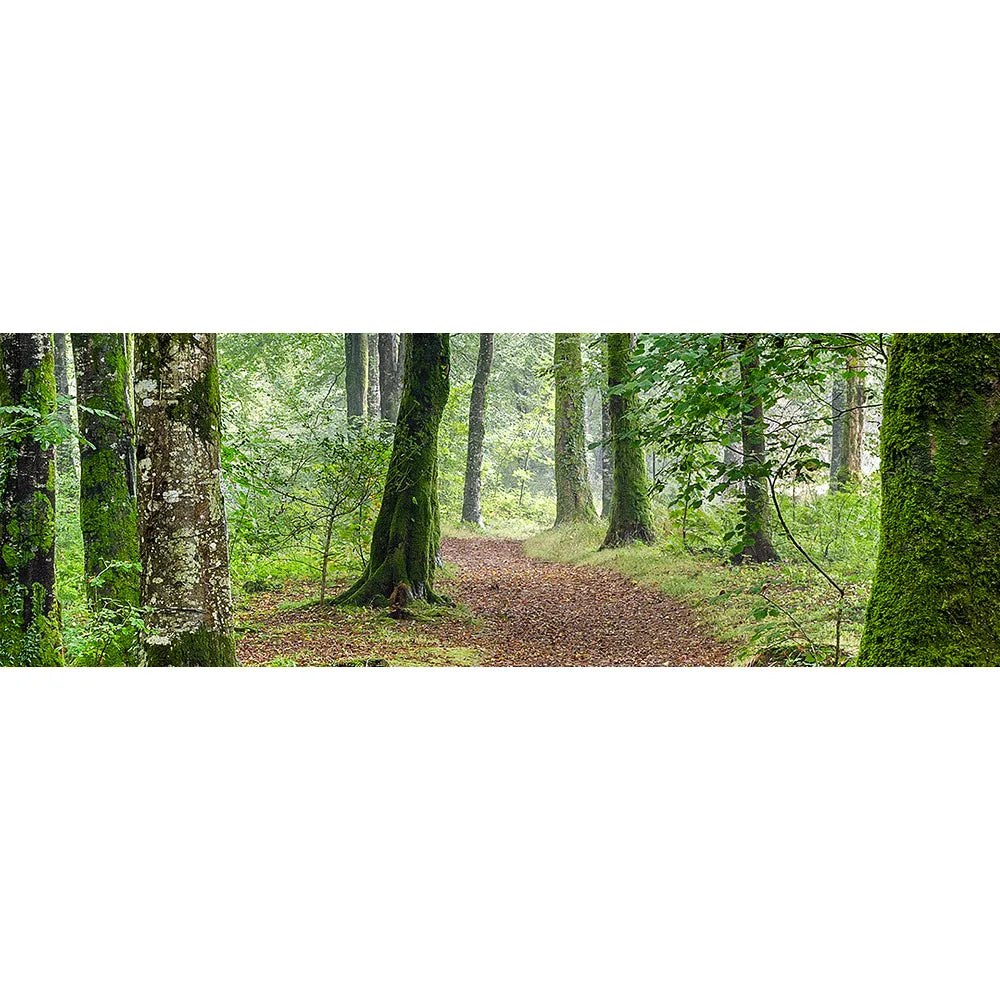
[
  {"x": 407, "y": 531},
  {"x": 607, "y": 457},
  {"x": 183, "y": 540},
  {"x": 631, "y": 510},
  {"x": 472, "y": 511},
  {"x": 67, "y": 452},
  {"x": 838, "y": 403},
  {"x": 29, "y": 608},
  {"x": 108, "y": 514},
  {"x": 390, "y": 373},
  {"x": 849, "y": 458},
  {"x": 356, "y": 374},
  {"x": 374, "y": 377},
  {"x": 935, "y": 601},
  {"x": 574, "y": 501},
  {"x": 757, "y": 503}
]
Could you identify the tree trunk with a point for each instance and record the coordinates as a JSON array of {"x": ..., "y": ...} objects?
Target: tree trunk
[
  {"x": 935, "y": 601},
  {"x": 29, "y": 608},
  {"x": 838, "y": 402},
  {"x": 108, "y": 514},
  {"x": 472, "y": 511},
  {"x": 374, "y": 377},
  {"x": 67, "y": 452},
  {"x": 849, "y": 457},
  {"x": 631, "y": 510},
  {"x": 574, "y": 501},
  {"x": 407, "y": 531},
  {"x": 356, "y": 374},
  {"x": 390, "y": 373},
  {"x": 757, "y": 503},
  {"x": 182, "y": 522},
  {"x": 607, "y": 457}
]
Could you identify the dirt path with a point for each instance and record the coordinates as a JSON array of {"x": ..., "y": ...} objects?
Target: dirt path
[
  {"x": 524, "y": 613},
  {"x": 536, "y": 613}
]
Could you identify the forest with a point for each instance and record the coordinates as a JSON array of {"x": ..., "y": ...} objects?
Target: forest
[{"x": 481, "y": 499}]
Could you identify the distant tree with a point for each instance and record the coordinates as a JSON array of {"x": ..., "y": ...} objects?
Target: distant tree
[
  {"x": 183, "y": 540},
  {"x": 574, "y": 501},
  {"x": 472, "y": 511},
  {"x": 67, "y": 455},
  {"x": 356, "y": 374},
  {"x": 847, "y": 450},
  {"x": 108, "y": 515},
  {"x": 374, "y": 391},
  {"x": 390, "y": 373},
  {"x": 607, "y": 450},
  {"x": 29, "y": 608},
  {"x": 404, "y": 546},
  {"x": 631, "y": 511},
  {"x": 935, "y": 601}
]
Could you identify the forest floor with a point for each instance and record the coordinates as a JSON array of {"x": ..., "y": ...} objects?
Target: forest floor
[{"x": 512, "y": 610}]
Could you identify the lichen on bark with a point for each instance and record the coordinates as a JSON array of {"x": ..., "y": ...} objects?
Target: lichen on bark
[
  {"x": 183, "y": 541},
  {"x": 407, "y": 531},
  {"x": 574, "y": 500},
  {"x": 935, "y": 600}
]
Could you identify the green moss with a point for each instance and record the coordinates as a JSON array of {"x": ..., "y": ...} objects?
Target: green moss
[
  {"x": 574, "y": 501},
  {"x": 200, "y": 648}
]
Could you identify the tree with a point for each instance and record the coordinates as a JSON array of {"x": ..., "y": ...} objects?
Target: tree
[
  {"x": 631, "y": 510},
  {"x": 607, "y": 457},
  {"x": 759, "y": 547},
  {"x": 67, "y": 456},
  {"x": 407, "y": 531},
  {"x": 183, "y": 540},
  {"x": 390, "y": 373},
  {"x": 574, "y": 501},
  {"x": 374, "y": 376},
  {"x": 356, "y": 374},
  {"x": 108, "y": 513},
  {"x": 29, "y": 429},
  {"x": 935, "y": 600},
  {"x": 472, "y": 511},
  {"x": 847, "y": 450}
]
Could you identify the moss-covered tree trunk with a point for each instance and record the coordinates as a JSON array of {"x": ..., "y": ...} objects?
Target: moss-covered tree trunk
[
  {"x": 935, "y": 601},
  {"x": 849, "y": 430},
  {"x": 108, "y": 513},
  {"x": 390, "y": 373},
  {"x": 838, "y": 406},
  {"x": 407, "y": 531},
  {"x": 631, "y": 510},
  {"x": 607, "y": 457},
  {"x": 182, "y": 522},
  {"x": 374, "y": 377},
  {"x": 67, "y": 454},
  {"x": 29, "y": 608},
  {"x": 574, "y": 501},
  {"x": 472, "y": 508},
  {"x": 757, "y": 502},
  {"x": 356, "y": 374}
]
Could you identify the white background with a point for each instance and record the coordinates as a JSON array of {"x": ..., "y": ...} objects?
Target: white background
[{"x": 535, "y": 835}]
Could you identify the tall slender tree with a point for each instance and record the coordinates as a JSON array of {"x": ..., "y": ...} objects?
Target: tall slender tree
[
  {"x": 631, "y": 510},
  {"x": 472, "y": 508},
  {"x": 29, "y": 609},
  {"x": 67, "y": 454},
  {"x": 356, "y": 374},
  {"x": 374, "y": 377},
  {"x": 935, "y": 601},
  {"x": 183, "y": 540},
  {"x": 848, "y": 426},
  {"x": 405, "y": 540},
  {"x": 390, "y": 373},
  {"x": 108, "y": 514},
  {"x": 574, "y": 501}
]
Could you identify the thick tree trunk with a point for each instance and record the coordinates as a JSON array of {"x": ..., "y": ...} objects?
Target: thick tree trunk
[
  {"x": 182, "y": 522},
  {"x": 29, "y": 608},
  {"x": 757, "y": 502},
  {"x": 67, "y": 452},
  {"x": 846, "y": 466},
  {"x": 631, "y": 510},
  {"x": 574, "y": 501},
  {"x": 390, "y": 373},
  {"x": 356, "y": 374},
  {"x": 935, "y": 601},
  {"x": 607, "y": 457},
  {"x": 374, "y": 377},
  {"x": 108, "y": 513},
  {"x": 407, "y": 531},
  {"x": 472, "y": 510}
]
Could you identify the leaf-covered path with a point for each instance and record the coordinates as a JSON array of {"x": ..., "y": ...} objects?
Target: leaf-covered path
[
  {"x": 535, "y": 613},
  {"x": 524, "y": 612}
]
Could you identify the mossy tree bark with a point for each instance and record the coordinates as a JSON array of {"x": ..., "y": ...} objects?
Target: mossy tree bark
[
  {"x": 935, "y": 601},
  {"x": 407, "y": 531},
  {"x": 838, "y": 406},
  {"x": 757, "y": 503},
  {"x": 631, "y": 510},
  {"x": 847, "y": 459},
  {"x": 108, "y": 514},
  {"x": 574, "y": 501},
  {"x": 356, "y": 374},
  {"x": 472, "y": 509},
  {"x": 390, "y": 373},
  {"x": 67, "y": 454},
  {"x": 29, "y": 608},
  {"x": 607, "y": 457},
  {"x": 374, "y": 377},
  {"x": 183, "y": 540}
]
